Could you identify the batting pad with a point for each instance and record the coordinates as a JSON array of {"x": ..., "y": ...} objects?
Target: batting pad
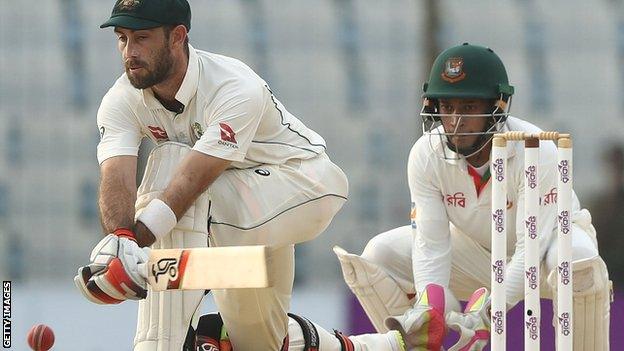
[{"x": 164, "y": 317}]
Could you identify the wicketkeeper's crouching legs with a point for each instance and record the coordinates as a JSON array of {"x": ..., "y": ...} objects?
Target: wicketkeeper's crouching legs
[
  {"x": 381, "y": 294},
  {"x": 303, "y": 335}
]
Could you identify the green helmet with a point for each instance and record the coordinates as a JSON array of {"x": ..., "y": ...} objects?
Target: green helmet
[
  {"x": 468, "y": 71},
  {"x": 465, "y": 72}
]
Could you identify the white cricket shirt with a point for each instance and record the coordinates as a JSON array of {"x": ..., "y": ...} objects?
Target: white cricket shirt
[{"x": 229, "y": 112}]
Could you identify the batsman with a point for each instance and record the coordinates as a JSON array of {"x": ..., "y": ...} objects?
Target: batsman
[
  {"x": 411, "y": 278},
  {"x": 231, "y": 167}
]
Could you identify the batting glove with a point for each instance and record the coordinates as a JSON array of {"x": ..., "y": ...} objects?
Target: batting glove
[{"x": 117, "y": 271}]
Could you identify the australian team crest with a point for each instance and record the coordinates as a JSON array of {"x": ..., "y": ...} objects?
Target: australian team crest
[
  {"x": 454, "y": 70},
  {"x": 128, "y": 4},
  {"x": 197, "y": 130}
]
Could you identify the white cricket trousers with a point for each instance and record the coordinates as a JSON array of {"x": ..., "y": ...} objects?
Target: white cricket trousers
[
  {"x": 470, "y": 265},
  {"x": 278, "y": 206}
]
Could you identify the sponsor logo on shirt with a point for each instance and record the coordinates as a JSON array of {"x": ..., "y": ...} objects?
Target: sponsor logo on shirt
[
  {"x": 102, "y": 131},
  {"x": 455, "y": 200},
  {"x": 228, "y": 137},
  {"x": 227, "y": 134},
  {"x": 413, "y": 215},
  {"x": 158, "y": 133},
  {"x": 550, "y": 197}
]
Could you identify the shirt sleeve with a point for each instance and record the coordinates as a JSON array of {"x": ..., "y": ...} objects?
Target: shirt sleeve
[
  {"x": 120, "y": 133},
  {"x": 233, "y": 120},
  {"x": 546, "y": 221},
  {"x": 431, "y": 249}
]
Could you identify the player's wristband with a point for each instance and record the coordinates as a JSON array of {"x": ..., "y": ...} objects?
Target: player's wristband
[{"x": 158, "y": 217}]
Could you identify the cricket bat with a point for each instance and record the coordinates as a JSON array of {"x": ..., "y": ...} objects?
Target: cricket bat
[{"x": 208, "y": 268}]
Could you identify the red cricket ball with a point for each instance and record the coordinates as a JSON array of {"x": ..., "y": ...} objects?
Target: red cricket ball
[{"x": 40, "y": 337}]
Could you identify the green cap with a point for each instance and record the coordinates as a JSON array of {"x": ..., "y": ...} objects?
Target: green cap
[
  {"x": 468, "y": 71},
  {"x": 146, "y": 14}
]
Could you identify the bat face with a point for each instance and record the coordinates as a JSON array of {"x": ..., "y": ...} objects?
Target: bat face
[{"x": 208, "y": 268}]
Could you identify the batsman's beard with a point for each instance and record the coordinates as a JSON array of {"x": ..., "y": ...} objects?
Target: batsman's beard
[{"x": 162, "y": 66}]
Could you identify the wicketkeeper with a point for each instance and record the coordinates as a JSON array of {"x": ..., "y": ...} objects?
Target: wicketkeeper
[{"x": 445, "y": 254}]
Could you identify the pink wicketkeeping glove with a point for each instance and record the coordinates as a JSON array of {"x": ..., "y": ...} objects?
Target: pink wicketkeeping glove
[
  {"x": 423, "y": 327},
  {"x": 473, "y": 325}
]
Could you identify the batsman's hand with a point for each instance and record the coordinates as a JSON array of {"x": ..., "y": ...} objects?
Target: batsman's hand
[
  {"x": 423, "y": 327},
  {"x": 473, "y": 325},
  {"x": 117, "y": 271}
]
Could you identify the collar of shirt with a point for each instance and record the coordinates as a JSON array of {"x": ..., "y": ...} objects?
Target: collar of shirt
[
  {"x": 480, "y": 181},
  {"x": 187, "y": 90}
]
